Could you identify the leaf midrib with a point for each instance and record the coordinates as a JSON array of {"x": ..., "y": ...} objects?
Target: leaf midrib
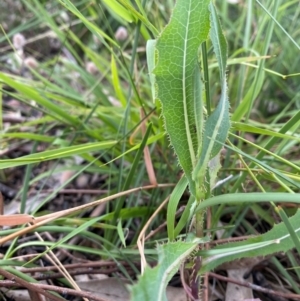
[{"x": 185, "y": 110}]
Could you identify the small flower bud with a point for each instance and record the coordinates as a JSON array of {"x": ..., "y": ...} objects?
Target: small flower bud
[
  {"x": 31, "y": 62},
  {"x": 121, "y": 34},
  {"x": 19, "y": 41},
  {"x": 91, "y": 68}
]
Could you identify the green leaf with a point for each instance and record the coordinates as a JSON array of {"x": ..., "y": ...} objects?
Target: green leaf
[
  {"x": 217, "y": 124},
  {"x": 31, "y": 93},
  {"x": 266, "y": 167},
  {"x": 152, "y": 284},
  {"x": 116, "y": 82},
  {"x": 56, "y": 153},
  {"x": 185, "y": 217},
  {"x": 91, "y": 26},
  {"x": 277, "y": 239},
  {"x": 177, "y": 60},
  {"x": 172, "y": 206},
  {"x": 252, "y": 93},
  {"x": 119, "y": 10},
  {"x": 254, "y": 197},
  {"x": 142, "y": 17},
  {"x": 121, "y": 233},
  {"x": 150, "y": 49},
  {"x": 239, "y": 126},
  {"x": 30, "y": 136},
  {"x": 218, "y": 41}
]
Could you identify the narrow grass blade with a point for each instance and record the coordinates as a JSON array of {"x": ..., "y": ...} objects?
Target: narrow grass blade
[
  {"x": 265, "y": 166},
  {"x": 129, "y": 179},
  {"x": 92, "y": 27},
  {"x": 290, "y": 228},
  {"x": 1, "y": 112},
  {"x": 283, "y": 272},
  {"x": 31, "y": 93},
  {"x": 245, "y": 107},
  {"x": 56, "y": 153},
  {"x": 278, "y": 239},
  {"x": 239, "y": 126},
  {"x": 217, "y": 124},
  {"x": 255, "y": 197},
  {"x": 142, "y": 17},
  {"x": 186, "y": 217},
  {"x": 172, "y": 206},
  {"x": 118, "y": 9},
  {"x": 150, "y": 49},
  {"x": 116, "y": 82}
]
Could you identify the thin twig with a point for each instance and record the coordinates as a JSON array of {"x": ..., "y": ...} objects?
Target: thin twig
[
  {"x": 17, "y": 281},
  {"x": 89, "y": 265},
  {"x": 61, "y": 290},
  {"x": 164, "y": 224},
  {"x": 88, "y": 271},
  {"x": 55, "y": 261},
  {"x": 141, "y": 237},
  {"x": 42, "y": 220},
  {"x": 255, "y": 287},
  {"x": 73, "y": 191}
]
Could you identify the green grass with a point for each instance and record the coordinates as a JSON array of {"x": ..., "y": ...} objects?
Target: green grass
[{"x": 90, "y": 101}]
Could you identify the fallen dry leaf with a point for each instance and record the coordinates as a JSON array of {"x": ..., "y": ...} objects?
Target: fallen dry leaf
[{"x": 236, "y": 292}]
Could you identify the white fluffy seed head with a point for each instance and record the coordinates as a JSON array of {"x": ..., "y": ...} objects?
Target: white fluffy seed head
[
  {"x": 19, "y": 41},
  {"x": 31, "y": 62},
  {"x": 91, "y": 68},
  {"x": 121, "y": 34}
]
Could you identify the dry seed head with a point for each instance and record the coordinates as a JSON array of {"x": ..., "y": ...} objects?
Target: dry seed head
[
  {"x": 91, "y": 68},
  {"x": 19, "y": 41},
  {"x": 114, "y": 101},
  {"x": 64, "y": 16},
  {"x": 82, "y": 181},
  {"x": 121, "y": 34},
  {"x": 31, "y": 62}
]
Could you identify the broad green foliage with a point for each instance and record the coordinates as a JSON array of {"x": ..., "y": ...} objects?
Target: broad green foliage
[
  {"x": 174, "y": 63},
  {"x": 196, "y": 120},
  {"x": 175, "y": 74},
  {"x": 177, "y": 62},
  {"x": 152, "y": 284}
]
